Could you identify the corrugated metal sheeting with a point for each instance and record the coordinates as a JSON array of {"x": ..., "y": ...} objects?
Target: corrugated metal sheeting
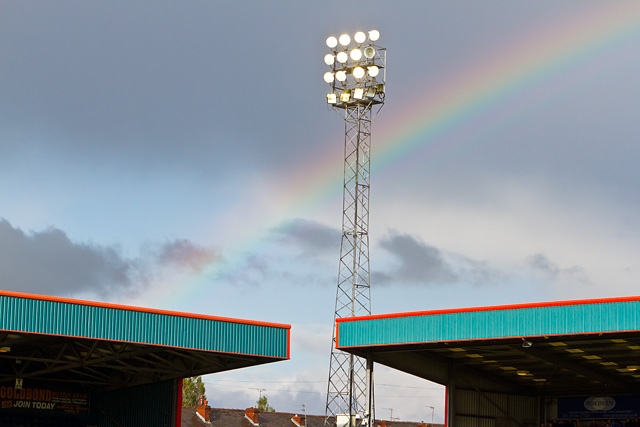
[
  {"x": 475, "y": 408},
  {"x": 499, "y": 362},
  {"x": 68, "y": 318},
  {"x": 514, "y": 321},
  {"x": 152, "y": 405}
]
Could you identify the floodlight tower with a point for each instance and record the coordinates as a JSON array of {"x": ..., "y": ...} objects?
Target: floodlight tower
[{"x": 357, "y": 81}]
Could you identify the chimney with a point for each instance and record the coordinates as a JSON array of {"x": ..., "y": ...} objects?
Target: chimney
[
  {"x": 203, "y": 410},
  {"x": 298, "y": 420},
  {"x": 253, "y": 415}
]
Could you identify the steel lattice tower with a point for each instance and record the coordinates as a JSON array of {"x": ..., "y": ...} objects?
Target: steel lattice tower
[{"x": 357, "y": 80}]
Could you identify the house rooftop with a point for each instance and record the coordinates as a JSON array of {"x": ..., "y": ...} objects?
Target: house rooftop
[{"x": 220, "y": 417}]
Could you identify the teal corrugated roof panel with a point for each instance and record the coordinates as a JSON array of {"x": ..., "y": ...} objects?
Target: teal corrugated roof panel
[
  {"x": 74, "y": 318},
  {"x": 497, "y": 322}
]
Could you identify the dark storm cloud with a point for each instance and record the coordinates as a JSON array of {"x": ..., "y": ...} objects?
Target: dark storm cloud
[
  {"x": 125, "y": 79},
  {"x": 419, "y": 263},
  {"x": 306, "y": 252},
  {"x": 48, "y": 262},
  {"x": 542, "y": 264},
  {"x": 213, "y": 84},
  {"x": 313, "y": 238}
]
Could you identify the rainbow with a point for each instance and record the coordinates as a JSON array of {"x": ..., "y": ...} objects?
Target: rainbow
[
  {"x": 420, "y": 128},
  {"x": 507, "y": 74}
]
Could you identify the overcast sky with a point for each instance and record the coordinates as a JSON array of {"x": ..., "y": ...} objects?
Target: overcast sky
[{"x": 180, "y": 155}]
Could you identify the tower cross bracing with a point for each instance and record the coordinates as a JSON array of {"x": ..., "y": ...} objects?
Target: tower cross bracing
[{"x": 355, "y": 93}]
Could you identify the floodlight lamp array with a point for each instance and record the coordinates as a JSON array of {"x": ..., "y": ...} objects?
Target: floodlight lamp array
[{"x": 356, "y": 74}]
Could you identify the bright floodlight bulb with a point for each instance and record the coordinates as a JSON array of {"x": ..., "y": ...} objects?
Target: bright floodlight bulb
[
  {"x": 358, "y": 72},
  {"x": 332, "y": 42},
  {"x": 369, "y": 52},
  {"x": 345, "y": 39},
  {"x": 328, "y": 77},
  {"x": 358, "y": 93},
  {"x": 331, "y": 98},
  {"x": 342, "y": 57},
  {"x": 373, "y": 70},
  {"x": 329, "y": 59},
  {"x": 374, "y": 35},
  {"x": 341, "y": 76},
  {"x": 356, "y": 54},
  {"x": 359, "y": 37}
]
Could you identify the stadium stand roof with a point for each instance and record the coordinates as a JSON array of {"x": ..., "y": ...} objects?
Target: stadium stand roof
[
  {"x": 543, "y": 349},
  {"x": 108, "y": 346}
]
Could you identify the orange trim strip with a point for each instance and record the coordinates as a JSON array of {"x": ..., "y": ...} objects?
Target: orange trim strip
[
  {"x": 490, "y": 308},
  {"x": 139, "y": 309}
]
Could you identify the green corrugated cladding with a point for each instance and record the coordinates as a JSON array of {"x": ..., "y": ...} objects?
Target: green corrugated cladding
[
  {"x": 43, "y": 316},
  {"x": 578, "y": 317}
]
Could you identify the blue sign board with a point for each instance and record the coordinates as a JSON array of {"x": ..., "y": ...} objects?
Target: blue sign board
[{"x": 606, "y": 407}]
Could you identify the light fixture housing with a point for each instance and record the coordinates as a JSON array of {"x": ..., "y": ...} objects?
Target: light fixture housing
[
  {"x": 355, "y": 54},
  {"x": 329, "y": 59},
  {"x": 355, "y": 70},
  {"x": 371, "y": 92},
  {"x": 369, "y": 52}
]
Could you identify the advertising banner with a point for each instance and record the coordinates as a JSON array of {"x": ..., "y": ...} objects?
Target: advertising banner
[
  {"x": 43, "y": 399},
  {"x": 606, "y": 407}
]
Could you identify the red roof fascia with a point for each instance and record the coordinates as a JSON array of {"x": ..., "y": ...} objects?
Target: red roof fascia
[{"x": 490, "y": 308}]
